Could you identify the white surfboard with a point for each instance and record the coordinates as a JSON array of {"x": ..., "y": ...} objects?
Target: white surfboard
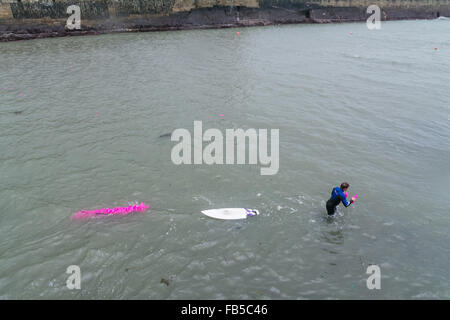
[{"x": 230, "y": 213}]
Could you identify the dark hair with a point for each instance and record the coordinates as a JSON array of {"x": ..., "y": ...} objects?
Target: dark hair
[{"x": 344, "y": 185}]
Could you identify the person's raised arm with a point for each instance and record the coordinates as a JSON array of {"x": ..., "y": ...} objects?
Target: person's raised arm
[{"x": 344, "y": 199}]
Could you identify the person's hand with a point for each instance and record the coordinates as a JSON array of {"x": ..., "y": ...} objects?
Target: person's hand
[{"x": 353, "y": 199}]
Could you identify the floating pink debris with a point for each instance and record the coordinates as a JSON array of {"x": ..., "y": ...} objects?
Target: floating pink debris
[
  {"x": 222, "y": 115},
  {"x": 21, "y": 95},
  {"x": 5, "y": 88},
  {"x": 110, "y": 212}
]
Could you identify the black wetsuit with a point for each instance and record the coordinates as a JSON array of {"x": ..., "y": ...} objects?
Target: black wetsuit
[{"x": 336, "y": 197}]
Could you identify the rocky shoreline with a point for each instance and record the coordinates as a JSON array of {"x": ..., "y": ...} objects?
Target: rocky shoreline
[{"x": 204, "y": 18}]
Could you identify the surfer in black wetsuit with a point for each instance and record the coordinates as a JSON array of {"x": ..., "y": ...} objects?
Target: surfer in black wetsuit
[{"x": 337, "y": 195}]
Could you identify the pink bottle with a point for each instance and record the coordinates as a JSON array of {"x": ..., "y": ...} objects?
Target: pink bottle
[{"x": 110, "y": 212}]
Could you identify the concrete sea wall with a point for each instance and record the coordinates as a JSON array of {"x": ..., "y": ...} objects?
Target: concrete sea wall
[{"x": 27, "y": 19}]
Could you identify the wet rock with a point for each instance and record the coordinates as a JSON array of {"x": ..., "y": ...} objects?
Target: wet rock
[{"x": 165, "y": 135}]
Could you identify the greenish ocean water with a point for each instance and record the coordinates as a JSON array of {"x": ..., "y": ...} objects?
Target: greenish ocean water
[{"x": 80, "y": 126}]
